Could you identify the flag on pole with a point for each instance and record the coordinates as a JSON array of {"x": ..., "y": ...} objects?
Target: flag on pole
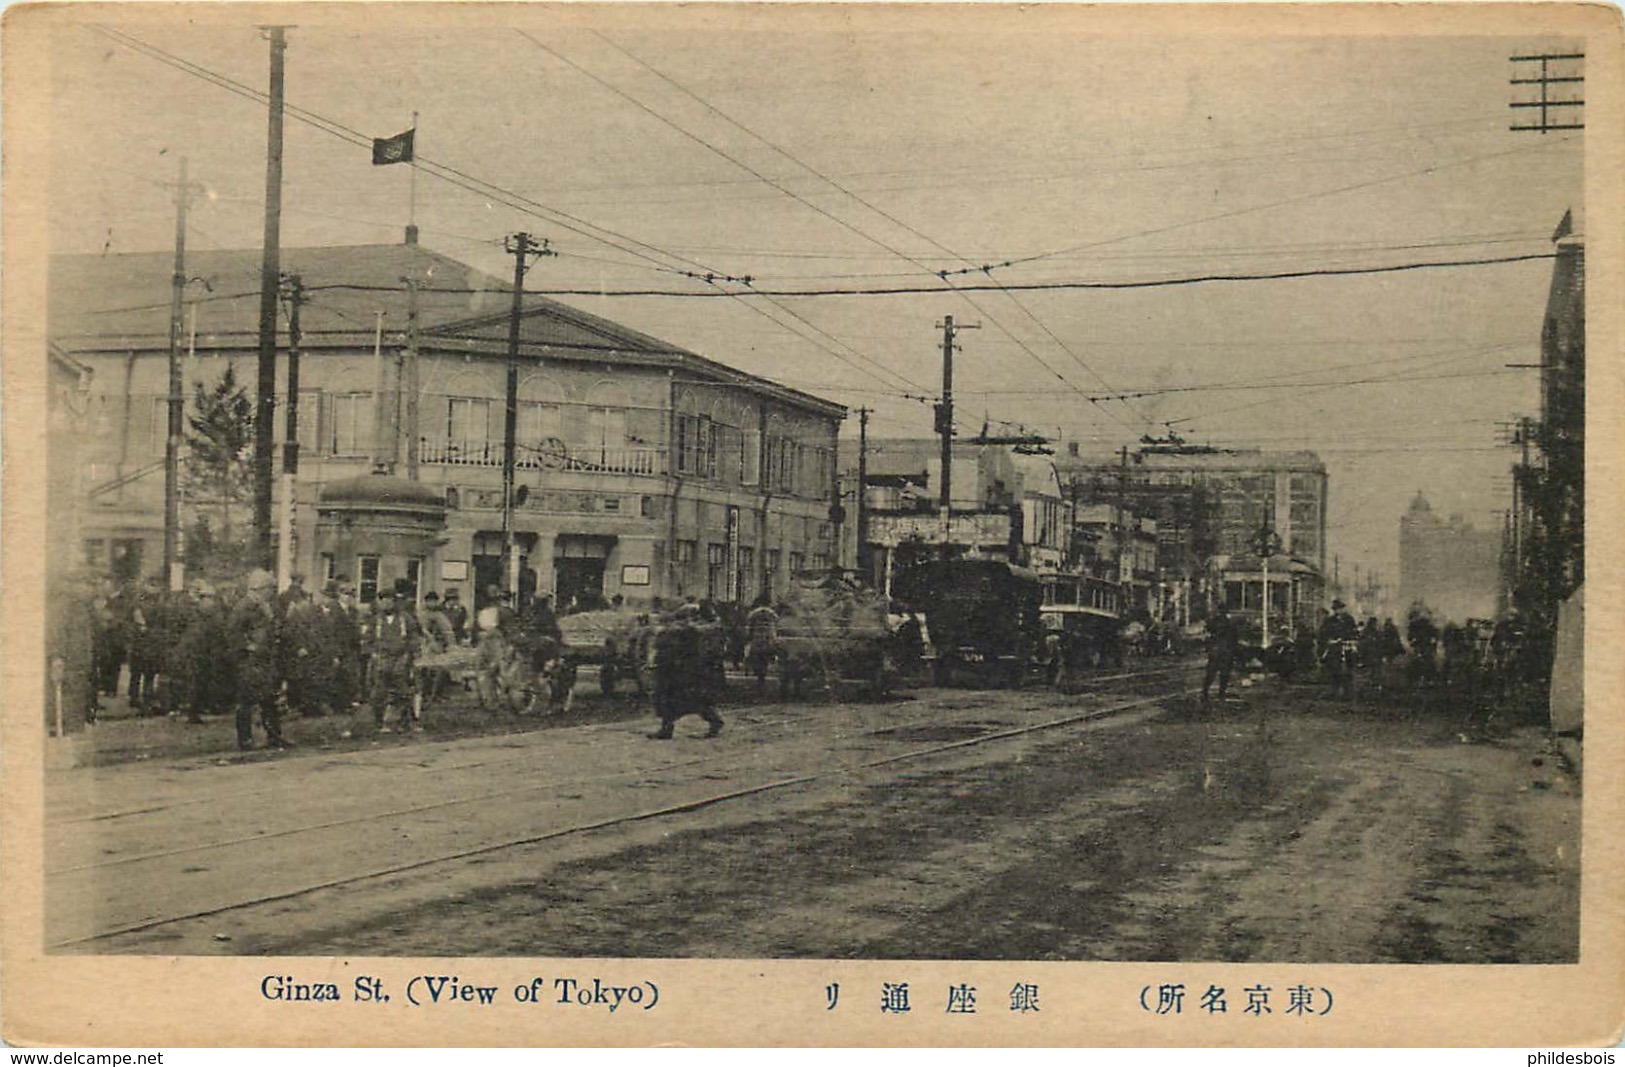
[{"x": 396, "y": 149}]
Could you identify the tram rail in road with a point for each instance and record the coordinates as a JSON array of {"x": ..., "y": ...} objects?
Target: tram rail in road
[{"x": 112, "y": 894}]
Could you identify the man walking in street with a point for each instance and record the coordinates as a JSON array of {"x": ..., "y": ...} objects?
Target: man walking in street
[
  {"x": 680, "y": 682},
  {"x": 1222, "y": 639}
]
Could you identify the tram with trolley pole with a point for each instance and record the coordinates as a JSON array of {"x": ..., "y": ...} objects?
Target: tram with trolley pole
[
  {"x": 1082, "y": 615},
  {"x": 983, "y": 617}
]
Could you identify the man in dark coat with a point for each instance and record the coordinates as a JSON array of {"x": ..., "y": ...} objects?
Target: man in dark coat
[
  {"x": 395, "y": 637},
  {"x": 681, "y": 683},
  {"x": 1423, "y": 635},
  {"x": 112, "y": 610},
  {"x": 205, "y": 667},
  {"x": 1223, "y": 637},
  {"x": 256, "y": 636},
  {"x": 306, "y": 654},
  {"x": 147, "y": 640},
  {"x": 457, "y": 615},
  {"x": 1339, "y": 637}
]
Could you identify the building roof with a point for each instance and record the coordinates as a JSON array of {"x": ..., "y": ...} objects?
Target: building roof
[
  {"x": 1200, "y": 459},
  {"x": 122, "y": 303},
  {"x": 381, "y": 490}
]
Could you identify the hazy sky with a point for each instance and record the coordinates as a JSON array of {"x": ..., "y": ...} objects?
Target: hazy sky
[{"x": 855, "y": 153}]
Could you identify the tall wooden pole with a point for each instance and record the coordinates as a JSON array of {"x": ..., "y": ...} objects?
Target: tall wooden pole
[
  {"x": 288, "y": 512},
  {"x": 173, "y": 571},
  {"x": 270, "y": 280},
  {"x": 865, "y": 564},
  {"x": 522, "y": 246},
  {"x": 410, "y": 376}
]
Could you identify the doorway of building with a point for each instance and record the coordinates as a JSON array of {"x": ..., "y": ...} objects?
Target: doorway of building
[
  {"x": 127, "y": 557},
  {"x": 578, "y": 582}
]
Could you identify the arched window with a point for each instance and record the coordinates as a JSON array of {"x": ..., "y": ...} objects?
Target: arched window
[
  {"x": 695, "y": 446},
  {"x": 539, "y": 423},
  {"x": 736, "y": 441},
  {"x": 604, "y": 441}
]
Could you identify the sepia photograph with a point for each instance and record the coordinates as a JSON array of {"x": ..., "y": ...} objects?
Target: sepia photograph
[{"x": 1007, "y": 489}]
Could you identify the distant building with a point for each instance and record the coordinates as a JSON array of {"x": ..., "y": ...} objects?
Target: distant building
[
  {"x": 642, "y": 470},
  {"x": 1446, "y": 564},
  {"x": 903, "y": 502},
  {"x": 1211, "y": 505}
]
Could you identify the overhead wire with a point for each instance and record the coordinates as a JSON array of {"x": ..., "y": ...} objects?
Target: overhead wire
[
  {"x": 605, "y": 84},
  {"x": 1138, "y": 283},
  {"x": 457, "y": 177},
  {"x": 1255, "y": 208},
  {"x": 445, "y": 172},
  {"x": 889, "y": 217}
]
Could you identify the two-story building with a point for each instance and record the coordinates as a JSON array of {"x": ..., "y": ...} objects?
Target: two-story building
[
  {"x": 903, "y": 502},
  {"x": 641, "y": 469}
]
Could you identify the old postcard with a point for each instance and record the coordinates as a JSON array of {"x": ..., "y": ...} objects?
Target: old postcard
[{"x": 831, "y": 524}]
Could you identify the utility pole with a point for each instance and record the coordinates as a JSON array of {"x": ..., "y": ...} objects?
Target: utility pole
[
  {"x": 270, "y": 276},
  {"x": 1122, "y": 514},
  {"x": 409, "y": 377},
  {"x": 865, "y": 567},
  {"x": 522, "y": 247},
  {"x": 293, "y": 291},
  {"x": 174, "y": 568},
  {"x": 1545, "y": 104},
  {"x": 945, "y": 427},
  {"x": 382, "y": 459}
]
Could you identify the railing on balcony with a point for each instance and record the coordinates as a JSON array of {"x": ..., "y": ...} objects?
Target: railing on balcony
[{"x": 550, "y": 455}]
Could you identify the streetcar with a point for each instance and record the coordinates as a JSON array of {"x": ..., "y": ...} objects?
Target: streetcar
[
  {"x": 983, "y": 616},
  {"x": 1082, "y": 619}
]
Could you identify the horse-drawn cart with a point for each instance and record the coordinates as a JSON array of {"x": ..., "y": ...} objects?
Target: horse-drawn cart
[
  {"x": 616, "y": 642},
  {"x": 832, "y": 630}
]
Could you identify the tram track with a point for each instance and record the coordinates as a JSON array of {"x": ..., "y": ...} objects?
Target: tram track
[
  {"x": 1028, "y": 702},
  {"x": 527, "y": 751}
]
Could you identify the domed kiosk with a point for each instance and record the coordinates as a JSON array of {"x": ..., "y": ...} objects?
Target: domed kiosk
[{"x": 377, "y": 528}]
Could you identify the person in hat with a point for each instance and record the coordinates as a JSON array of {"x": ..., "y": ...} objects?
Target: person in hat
[
  {"x": 205, "y": 673},
  {"x": 680, "y": 679},
  {"x": 148, "y": 641},
  {"x": 305, "y": 651},
  {"x": 1223, "y": 637},
  {"x": 256, "y": 641},
  {"x": 396, "y": 637},
  {"x": 1339, "y": 642},
  {"x": 437, "y": 639},
  {"x": 1423, "y": 635},
  {"x": 345, "y": 624},
  {"x": 456, "y": 614}
]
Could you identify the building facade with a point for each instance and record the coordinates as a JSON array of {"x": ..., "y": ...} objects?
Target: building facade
[
  {"x": 1545, "y": 535},
  {"x": 641, "y": 470},
  {"x": 902, "y": 501},
  {"x": 1446, "y": 565},
  {"x": 1210, "y": 507}
]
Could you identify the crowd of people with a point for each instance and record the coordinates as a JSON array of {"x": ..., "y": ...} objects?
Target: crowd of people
[
  {"x": 1471, "y": 658},
  {"x": 240, "y": 648}
]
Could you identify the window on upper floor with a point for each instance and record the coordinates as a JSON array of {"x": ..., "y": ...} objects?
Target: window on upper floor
[
  {"x": 783, "y": 461},
  {"x": 349, "y": 421},
  {"x": 535, "y": 422},
  {"x": 469, "y": 422},
  {"x": 696, "y": 446},
  {"x": 750, "y": 461}
]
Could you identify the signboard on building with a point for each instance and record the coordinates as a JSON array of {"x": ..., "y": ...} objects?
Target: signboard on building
[{"x": 981, "y": 529}]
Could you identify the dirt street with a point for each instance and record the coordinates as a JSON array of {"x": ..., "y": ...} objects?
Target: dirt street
[{"x": 1283, "y": 827}]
